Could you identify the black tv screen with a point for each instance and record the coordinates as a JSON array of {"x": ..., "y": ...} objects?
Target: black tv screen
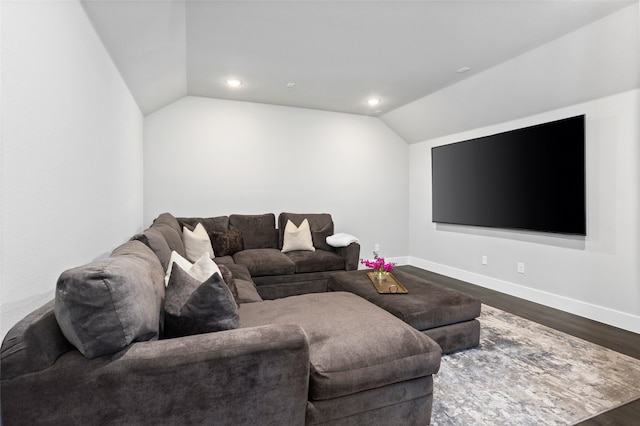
[{"x": 530, "y": 179}]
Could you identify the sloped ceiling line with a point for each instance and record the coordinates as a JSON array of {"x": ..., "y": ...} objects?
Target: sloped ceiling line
[{"x": 337, "y": 53}]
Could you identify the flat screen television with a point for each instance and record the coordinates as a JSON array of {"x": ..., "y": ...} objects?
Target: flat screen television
[{"x": 529, "y": 179}]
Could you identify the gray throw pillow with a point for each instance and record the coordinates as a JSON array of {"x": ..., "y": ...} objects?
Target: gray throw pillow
[
  {"x": 226, "y": 243},
  {"x": 227, "y": 276},
  {"x": 192, "y": 307},
  {"x": 105, "y": 305}
]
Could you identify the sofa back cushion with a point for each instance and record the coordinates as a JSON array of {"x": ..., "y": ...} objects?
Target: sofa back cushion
[
  {"x": 172, "y": 237},
  {"x": 154, "y": 239},
  {"x": 105, "y": 305},
  {"x": 211, "y": 224},
  {"x": 258, "y": 231},
  {"x": 321, "y": 226},
  {"x": 169, "y": 220}
]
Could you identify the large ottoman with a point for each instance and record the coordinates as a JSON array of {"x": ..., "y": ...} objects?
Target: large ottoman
[
  {"x": 366, "y": 366},
  {"x": 445, "y": 315}
]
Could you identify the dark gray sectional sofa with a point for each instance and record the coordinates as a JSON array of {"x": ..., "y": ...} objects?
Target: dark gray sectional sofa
[{"x": 97, "y": 353}]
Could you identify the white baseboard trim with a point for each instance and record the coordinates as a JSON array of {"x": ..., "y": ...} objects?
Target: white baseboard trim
[
  {"x": 601, "y": 314},
  {"x": 399, "y": 260}
]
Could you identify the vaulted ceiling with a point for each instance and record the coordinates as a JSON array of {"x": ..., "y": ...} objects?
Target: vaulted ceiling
[{"x": 328, "y": 55}]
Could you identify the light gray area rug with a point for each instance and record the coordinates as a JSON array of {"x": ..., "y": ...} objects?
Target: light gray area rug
[{"x": 524, "y": 373}]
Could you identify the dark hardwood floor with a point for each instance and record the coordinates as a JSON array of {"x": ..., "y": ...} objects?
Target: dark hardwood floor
[{"x": 613, "y": 338}]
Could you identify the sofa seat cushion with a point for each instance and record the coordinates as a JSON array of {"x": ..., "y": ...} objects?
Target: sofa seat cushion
[
  {"x": 316, "y": 261},
  {"x": 265, "y": 261},
  {"x": 240, "y": 272},
  {"x": 353, "y": 344},
  {"x": 224, "y": 260},
  {"x": 247, "y": 292}
]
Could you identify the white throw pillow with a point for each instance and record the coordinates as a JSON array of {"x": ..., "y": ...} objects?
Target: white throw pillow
[
  {"x": 196, "y": 242},
  {"x": 204, "y": 268},
  {"x": 176, "y": 258},
  {"x": 201, "y": 270},
  {"x": 297, "y": 237},
  {"x": 341, "y": 240}
]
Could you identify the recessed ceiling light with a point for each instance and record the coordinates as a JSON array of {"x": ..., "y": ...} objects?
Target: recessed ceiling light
[
  {"x": 233, "y": 82},
  {"x": 463, "y": 70},
  {"x": 291, "y": 85},
  {"x": 374, "y": 101}
]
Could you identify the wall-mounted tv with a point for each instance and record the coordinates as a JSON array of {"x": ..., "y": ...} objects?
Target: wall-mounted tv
[{"x": 529, "y": 179}]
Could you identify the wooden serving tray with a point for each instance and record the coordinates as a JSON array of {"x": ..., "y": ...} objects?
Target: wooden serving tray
[{"x": 390, "y": 285}]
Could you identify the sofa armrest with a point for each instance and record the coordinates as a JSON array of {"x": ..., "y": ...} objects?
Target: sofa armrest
[
  {"x": 351, "y": 255},
  {"x": 257, "y": 375}
]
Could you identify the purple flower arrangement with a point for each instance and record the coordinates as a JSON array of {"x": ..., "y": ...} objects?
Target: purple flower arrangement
[{"x": 378, "y": 264}]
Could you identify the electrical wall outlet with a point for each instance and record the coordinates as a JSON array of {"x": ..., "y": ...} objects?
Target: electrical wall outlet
[
  {"x": 377, "y": 247},
  {"x": 520, "y": 267},
  {"x": 484, "y": 260}
]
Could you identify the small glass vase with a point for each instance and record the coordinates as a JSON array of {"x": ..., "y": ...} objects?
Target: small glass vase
[{"x": 380, "y": 275}]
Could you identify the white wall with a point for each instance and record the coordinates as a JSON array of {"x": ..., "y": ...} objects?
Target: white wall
[
  {"x": 71, "y": 185},
  {"x": 597, "y": 60},
  {"x": 598, "y": 276},
  {"x": 207, "y": 157}
]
